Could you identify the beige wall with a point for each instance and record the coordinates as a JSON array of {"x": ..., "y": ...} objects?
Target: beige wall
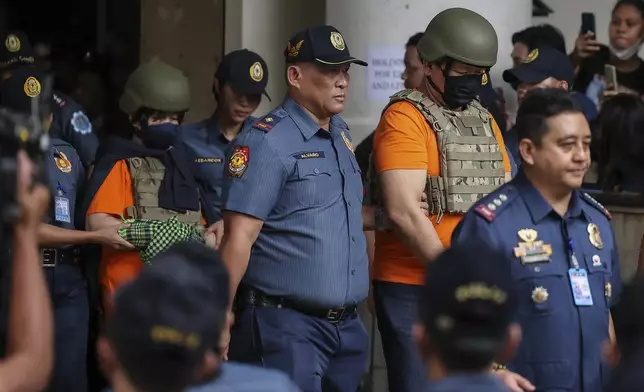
[{"x": 187, "y": 35}]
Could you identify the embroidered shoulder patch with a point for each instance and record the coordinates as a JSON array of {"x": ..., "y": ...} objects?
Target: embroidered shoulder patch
[
  {"x": 590, "y": 200},
  {"x": 267, "y": 122},
  {"x": 238, "y": 162},
  {"x": 81, "y": 123}
]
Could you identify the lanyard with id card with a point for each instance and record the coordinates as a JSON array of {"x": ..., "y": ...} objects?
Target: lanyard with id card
[
  {"x": 579, "y": 283},
  {"x": 61, "y": 205}
]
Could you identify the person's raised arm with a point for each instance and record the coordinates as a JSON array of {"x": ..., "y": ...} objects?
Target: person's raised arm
[
  {"x": 30, "y": 343},
  {"x": 401, "y": 160}
]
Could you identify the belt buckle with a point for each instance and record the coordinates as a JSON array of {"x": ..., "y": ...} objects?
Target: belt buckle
[
  {"x": 334, "y": 316},
  {"x": 47, "y": 261}
]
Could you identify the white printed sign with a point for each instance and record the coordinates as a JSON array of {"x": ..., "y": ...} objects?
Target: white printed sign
[{"x": 384, "y": 73}]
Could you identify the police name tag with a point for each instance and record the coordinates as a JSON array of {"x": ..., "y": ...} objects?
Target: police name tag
[
  {"x": 62, "y": 209},
  {"x": 580, "y": 287}
]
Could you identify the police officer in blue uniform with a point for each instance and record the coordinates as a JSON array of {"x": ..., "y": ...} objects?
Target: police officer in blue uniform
[
  {"x": 57, "y": 236},
  {"x": 239, "y": 83},
  {"x": 294, "y": 226},
  {"x": 467, "y": 309},
  {"x": 558, "y": 245},
  {"x": 70, "y": 122}
]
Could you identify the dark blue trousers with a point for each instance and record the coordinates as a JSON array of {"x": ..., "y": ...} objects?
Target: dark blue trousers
[
  {"x": 396, "y": 311},
  {"x": 318, "y": 355},
  {"x": 68, "y": 290}
]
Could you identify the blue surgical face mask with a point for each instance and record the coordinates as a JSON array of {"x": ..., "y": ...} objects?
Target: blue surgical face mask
[{"x": 158, "y": 136}]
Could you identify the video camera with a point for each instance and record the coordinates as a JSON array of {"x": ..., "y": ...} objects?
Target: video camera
[{"x": 17, "y": 131}]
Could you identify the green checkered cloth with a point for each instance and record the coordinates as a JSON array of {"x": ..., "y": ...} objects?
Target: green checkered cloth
[{"x": 152, "y": 237}]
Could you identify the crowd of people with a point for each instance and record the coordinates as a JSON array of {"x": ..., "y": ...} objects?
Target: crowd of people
[{"x": 176, "y": 256}]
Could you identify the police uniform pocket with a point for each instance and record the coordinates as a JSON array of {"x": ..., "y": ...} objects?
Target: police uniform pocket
[
  {"x": 541, "y": 288},
  {"x": 599, "y": 278},
  {"x": 313, "y": 186}
]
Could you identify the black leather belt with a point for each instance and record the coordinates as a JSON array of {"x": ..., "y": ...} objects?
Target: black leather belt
[
  {"x": 248, "y": 296},
  {"x": 53, "y": 257}
]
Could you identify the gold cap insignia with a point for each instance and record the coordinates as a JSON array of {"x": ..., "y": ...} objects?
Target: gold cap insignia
[
  {"x": 484, "y": 80},
  {"x": 294, "y": 50},
  {"x": 532, "y": 56},
  {"x": 12, "y": 43},
  {"x": 257, "y": 72},
  {"x": 540, "y": 295},
  {"x": 337, "y": 41},
  {"x": 32, "y": 87}
]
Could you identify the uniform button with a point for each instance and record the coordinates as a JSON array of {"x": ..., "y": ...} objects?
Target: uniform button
[
  {"x": 353, "y": 239},
  {"x": 316, "y": 171},
  {"x": 353, "y": 272},
  {"x": 349, "y": 203}
]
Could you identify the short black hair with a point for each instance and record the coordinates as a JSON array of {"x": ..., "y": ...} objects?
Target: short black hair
[
  {"x": 539, "y": 106},
  {"x": 638, "y": 4},
  {"x": 414, "y": 39},
  {"x": 539, "y": 36}
]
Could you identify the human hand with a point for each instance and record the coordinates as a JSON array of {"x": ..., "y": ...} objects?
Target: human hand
[
  {"x": 109, "y": 236},
  {"x": 214, "y": 234},
  {"x": 33, "y": 201},
  {"x": 514, "y": 382},
  {"x": 586, "y": 45}
]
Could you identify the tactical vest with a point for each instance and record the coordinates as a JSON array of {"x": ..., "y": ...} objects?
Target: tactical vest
[
  {"x": 147, "y": 175},
  {"x": 471, "y": 162}
]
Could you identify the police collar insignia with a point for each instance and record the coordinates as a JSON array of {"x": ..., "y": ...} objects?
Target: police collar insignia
[
  {"x": 32, "y": 87},
  {"x": 62, "y": 162},
  {"x": 540, "y": 295},
  {"x": 595, "y": 236},
  {"x": 531, "y": 251},
  {"x": 238, "y": 162},
  {"x": 257, "y": 72},
  {"x": 347, "y": 141},
  {"x": 12, "y": 43}
]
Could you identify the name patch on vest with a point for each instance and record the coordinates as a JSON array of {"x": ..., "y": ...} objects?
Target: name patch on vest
[
  {"x": 208, "y": 160},
  {"x": 310, "y": 155}
]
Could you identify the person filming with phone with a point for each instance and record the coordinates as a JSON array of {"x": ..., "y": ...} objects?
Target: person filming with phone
[{"x": 594, "y": 61}]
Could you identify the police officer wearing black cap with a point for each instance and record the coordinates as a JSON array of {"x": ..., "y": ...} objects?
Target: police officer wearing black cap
[
  {"x": 239, "y": 83},
  {"x": 70, "y": 123},
  {"x": 196, "y": 275},
  {"x": 545, "y": 67},
  {"x": 59, "y": 238},
  {"x": 294, "y": 226},
  {"x": 466, "y": 310}
]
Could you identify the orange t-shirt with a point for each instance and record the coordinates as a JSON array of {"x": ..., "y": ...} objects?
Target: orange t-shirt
[
  {"x": 114, "y": 197},
  {"x": 404, "y": 141}
]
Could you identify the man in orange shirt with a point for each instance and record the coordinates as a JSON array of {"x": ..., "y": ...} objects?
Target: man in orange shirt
[
  {"x": 145, "y": 177},
  {"x": 440, "y": 140}
]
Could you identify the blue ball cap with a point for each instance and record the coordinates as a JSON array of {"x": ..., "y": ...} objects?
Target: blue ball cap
[
  {"x": 16, "y": 50},
  {"x": 541, "y": 64},
  {"x": 468, "y": 298},
  {"x": 323, "y": 45}
]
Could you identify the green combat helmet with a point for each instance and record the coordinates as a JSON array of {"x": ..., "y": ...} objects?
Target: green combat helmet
[
  {"x": 156, "y": 85},
  {"x": 462, "y": 35}
]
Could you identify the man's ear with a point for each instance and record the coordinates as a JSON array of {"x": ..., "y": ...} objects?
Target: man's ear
[
  {"x": 527, "y": 149},
  {"x": 294, "y": 75}
]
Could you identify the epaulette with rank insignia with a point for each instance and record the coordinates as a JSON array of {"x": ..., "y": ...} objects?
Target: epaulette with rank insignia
[
  {"x": 495, "y": 204},
  {"x": 267, "y": 122},
  {"x": 589, "y": 199}
]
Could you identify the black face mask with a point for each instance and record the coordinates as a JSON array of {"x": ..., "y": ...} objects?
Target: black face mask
[
  {"x": 461, "y": 90},
  {"x": 158, "y": 136}
]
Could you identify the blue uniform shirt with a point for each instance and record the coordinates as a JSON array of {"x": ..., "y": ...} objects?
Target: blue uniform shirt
[
  {"x": 64, "y": 174},
  {"x": 561, "y": 346},
  {"x": 305, "y": 184},
  {"x": 467, "y": 382},
  {"x": 71, "y": 124},
  {"x": 206, "y": 147},
  {"x": 236, "y": 377}
]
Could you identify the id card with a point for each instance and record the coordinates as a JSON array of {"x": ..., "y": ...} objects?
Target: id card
[
  {"x": 580, "y": 287},
  {"x": 62, "y": 209}
]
